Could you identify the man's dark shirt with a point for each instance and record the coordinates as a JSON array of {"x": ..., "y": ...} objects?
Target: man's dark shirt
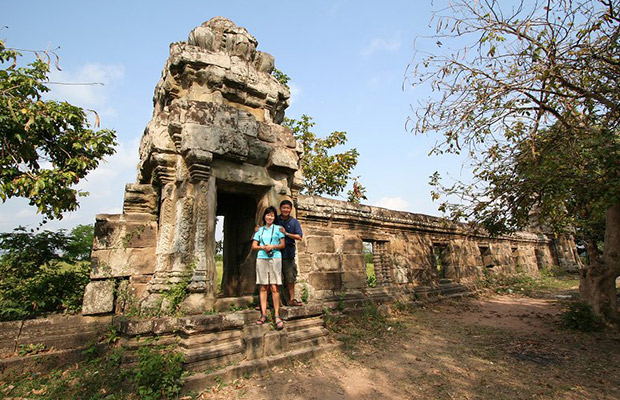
[{"x": 291, "y": 225}]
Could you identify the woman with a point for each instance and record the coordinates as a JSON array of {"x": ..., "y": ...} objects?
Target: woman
[{"x": 269, "y": 240}]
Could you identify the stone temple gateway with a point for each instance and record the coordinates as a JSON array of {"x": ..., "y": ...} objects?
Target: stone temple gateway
[{"x": 215, "y": 147}]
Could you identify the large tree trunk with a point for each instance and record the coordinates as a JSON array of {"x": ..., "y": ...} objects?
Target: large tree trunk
[{"x": 597, "y": 284}]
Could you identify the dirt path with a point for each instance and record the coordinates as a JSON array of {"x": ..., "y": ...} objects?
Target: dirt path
[{"x": 502, "y": 347}]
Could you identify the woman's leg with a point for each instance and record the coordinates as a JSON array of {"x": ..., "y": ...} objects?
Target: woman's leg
[
  {"x": 275, "y": 296},
  {"x": 263, "y": 299}
]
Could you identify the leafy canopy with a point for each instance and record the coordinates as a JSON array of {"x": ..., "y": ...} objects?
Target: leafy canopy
[
  {"x": 531, "y": 96},
  {"x": 46, "y": 147},
  {"x": 325, "y": 173}
]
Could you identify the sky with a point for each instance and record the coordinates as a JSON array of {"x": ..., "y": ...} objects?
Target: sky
[{"x": 347, "y": 60}]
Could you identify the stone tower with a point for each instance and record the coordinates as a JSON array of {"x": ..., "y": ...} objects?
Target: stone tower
[{"x": 214, "y": 147}]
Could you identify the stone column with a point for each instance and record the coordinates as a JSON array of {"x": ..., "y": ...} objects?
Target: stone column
[{"x": 202, "y": 287}]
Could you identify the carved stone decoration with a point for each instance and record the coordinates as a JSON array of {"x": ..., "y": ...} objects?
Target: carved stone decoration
[{"x": 214, "y": 144}]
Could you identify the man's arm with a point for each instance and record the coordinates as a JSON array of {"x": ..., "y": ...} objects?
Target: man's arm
[{"x": 292, "y": 235}]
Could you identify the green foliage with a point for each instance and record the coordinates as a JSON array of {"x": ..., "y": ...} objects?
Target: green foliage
[
  {"x": 360, "y": 325},
  {"x": 37, "y": 276},
  {"x": 158, "y": 375},
  {"x": 281, "y": 77},
  {"x": 371, "y": 277},
  {"x": 325, "y": 173},
  {"x": 534, "y": 154},
  {"x": 304, "y": 293},
  {"x": 32, "y": 348},
  {"x": 580, "y": 316},
  {"x": 523, "y": 283},
  {"x": 80, "y": 242},
  {"x": 46, "y": 147},
  {"x": 532, "y": 100},
  {"x": 176, "y": 294}
]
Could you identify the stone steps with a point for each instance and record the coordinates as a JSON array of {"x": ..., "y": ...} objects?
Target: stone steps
[{"x": 200, "y": 381}]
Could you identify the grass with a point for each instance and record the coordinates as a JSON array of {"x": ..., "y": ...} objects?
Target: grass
[
  {"x": 103, "y": 376},
  {"x": 371, "y": 277},
  {"x": 219, "y": 269},
  {"x": 550, "y": 280}
]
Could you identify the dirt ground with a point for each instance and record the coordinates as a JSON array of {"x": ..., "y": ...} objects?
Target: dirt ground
[{"x": 498, "y": 347}]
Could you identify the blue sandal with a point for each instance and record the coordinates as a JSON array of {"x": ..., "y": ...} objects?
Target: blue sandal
[{"x": 261, "y": 320}]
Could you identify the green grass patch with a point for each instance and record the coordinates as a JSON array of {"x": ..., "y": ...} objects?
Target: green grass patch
[{"x": 547, "y": 281}]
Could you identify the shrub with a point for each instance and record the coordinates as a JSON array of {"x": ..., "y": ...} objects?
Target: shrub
[
  {"x": 580, "y": 316},
  {"x": 39, "y": 273},
  {"x": 158, "y": 374}
]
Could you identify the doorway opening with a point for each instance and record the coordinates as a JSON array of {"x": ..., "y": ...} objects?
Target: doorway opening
[
  {"x": 236, "y": 213},
  {"x": 439, "y": 262},
  {"x": 369, "y": 264}
]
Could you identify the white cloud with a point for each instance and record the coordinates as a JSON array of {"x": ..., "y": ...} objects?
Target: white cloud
[
  {"x": 106, "y": 186},
  {"x": 393, "y": 203},
  {"x": 295, "y": 92},
  {"x": 380, "y": 44},
  {"x": 115, "y": 170},
  {"x": 88, "y": 87}
]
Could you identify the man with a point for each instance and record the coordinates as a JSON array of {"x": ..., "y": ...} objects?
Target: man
[{"x": 292, "y": 232}]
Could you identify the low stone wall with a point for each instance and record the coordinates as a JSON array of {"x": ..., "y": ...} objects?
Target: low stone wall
[
  {"x": 408, "y": 249},
  {"x": 58, "y": 339},
  {"x": 206, "y": 341}
]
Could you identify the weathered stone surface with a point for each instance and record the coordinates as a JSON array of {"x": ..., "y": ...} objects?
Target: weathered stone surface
[
  {"x": 246, "y": 173},
  {"x": 326, "y": 262},
  {"x": 99, "y": 297},
  {"x": 116, "y": 233},
  {"x": 320, "y": 244},
  {"x": 9, "y": 332},
  {"x": 284, "y": 136},
  {"x": 305, "y": 311},
  {"x": 258, "y": 153},
  {"x": 353, "y": 263},
  {"x": 266, "y": 132},
  {"x": 122, "y": 262},
  {"x": 325, "y": 280},
  {"x": 354, "y": 279},
  {"x": 352, "y": 245},
  {"x": 275, "y": 342},
  {"x": 140, "y": 199},
  {"x": 284, "y": 158}
]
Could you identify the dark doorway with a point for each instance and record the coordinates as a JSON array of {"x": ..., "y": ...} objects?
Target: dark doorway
[{"x": 239, "y": 263}]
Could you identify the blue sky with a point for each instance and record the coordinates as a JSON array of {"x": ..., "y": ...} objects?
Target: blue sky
[{"x": 347, "y": 62}]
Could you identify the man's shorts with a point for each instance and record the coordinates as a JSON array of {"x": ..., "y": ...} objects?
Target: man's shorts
[
  {"x": 289, "y": 270},
  {"x": 268, "y": 271}
]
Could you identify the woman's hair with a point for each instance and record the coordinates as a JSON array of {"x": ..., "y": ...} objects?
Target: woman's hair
[{"x": 270, "y": 209}]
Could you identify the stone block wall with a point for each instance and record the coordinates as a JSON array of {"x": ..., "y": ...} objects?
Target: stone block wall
[{"x": 407, "y": 249}]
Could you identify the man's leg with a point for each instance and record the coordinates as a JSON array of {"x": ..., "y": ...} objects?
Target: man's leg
[{"x": 290, "y": 277}]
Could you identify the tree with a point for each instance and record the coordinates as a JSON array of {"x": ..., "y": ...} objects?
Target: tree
[
  {"x": 325, "y": 173},
  {"x": 531, "y": 96},
  {"x": 39, "y": 272},
  {"x": 46, "y": 146},
  {"x": 80, "y": 242}
]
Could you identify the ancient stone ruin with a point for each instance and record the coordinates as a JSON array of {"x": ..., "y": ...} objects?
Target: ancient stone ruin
[{"x": 215, "y": 147}]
